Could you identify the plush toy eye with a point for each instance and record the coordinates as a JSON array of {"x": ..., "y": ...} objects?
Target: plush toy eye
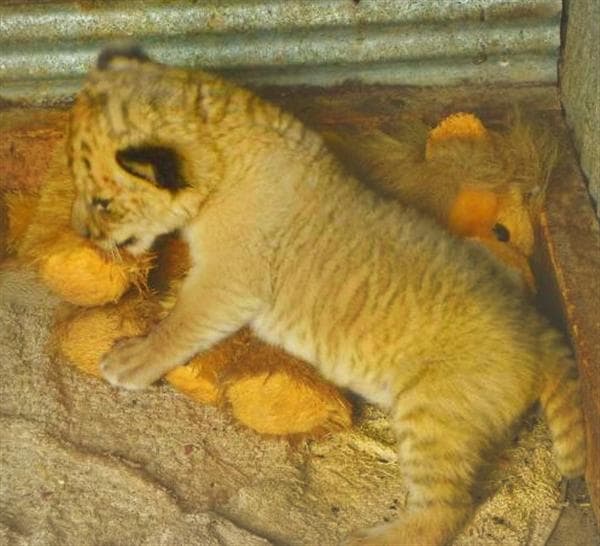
[
  {"x": 501, "y": 232},
  {"x": 100, "y": 203}
]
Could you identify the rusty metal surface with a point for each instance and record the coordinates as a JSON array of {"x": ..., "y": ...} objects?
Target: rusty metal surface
[
  {"x": 46, "y": 47},
  {"x": 26, "y": 140},
  {"x": 27, "y": 134},
  {"x": 570, "y": 263}
]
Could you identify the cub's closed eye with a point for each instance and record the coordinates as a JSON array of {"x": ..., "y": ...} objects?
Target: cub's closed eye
[
  {"x": 156, "y": 164},
  {"x": 101, "y": 203}
]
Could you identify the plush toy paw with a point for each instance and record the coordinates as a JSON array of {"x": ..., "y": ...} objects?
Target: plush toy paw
[
  {"x": 132, "y": 363},
  {"x": 80, "y": 274},
  {"x": 277, "y": 394},
  {"x": 198, "y": 381}
]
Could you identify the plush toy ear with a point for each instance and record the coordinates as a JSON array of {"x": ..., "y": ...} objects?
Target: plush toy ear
[{"x": 457, "y": 127}]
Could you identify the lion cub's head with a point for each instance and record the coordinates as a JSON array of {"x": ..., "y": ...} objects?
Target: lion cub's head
[{"x": 142, "y": 159}]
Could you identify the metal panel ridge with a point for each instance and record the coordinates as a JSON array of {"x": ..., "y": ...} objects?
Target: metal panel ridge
[{"x": 46, "y": 47}]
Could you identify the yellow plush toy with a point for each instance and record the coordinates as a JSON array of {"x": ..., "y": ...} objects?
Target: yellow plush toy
[
  {"x": 480, "y": 184},
  {"x": 40, "y": 233}
]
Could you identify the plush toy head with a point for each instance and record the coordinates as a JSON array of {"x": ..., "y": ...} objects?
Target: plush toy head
[
  {"x": 502, "y": 177},
  {"x": 480, "y": 184},
  {"x": 502, "y": 181}
]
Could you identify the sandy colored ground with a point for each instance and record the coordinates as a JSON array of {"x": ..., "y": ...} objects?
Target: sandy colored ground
[{"x": 85, "y": 464}]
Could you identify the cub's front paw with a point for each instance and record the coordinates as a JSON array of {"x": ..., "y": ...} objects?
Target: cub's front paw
[{"x": 131, "y": 363}]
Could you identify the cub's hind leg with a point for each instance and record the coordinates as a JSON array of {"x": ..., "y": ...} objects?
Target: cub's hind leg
[
  {"x": 439, "y": 469},
  {"x": 441, "y": 442}
]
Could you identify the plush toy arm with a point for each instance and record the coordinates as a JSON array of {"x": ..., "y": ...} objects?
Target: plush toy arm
[
  {"x": 395, "y": 166},
  {"x": 377, "y": 158},
  {"x": 71, "y": 266}
]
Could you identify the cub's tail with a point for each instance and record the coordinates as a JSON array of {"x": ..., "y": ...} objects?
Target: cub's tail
[{"x": 561, "y": 402}]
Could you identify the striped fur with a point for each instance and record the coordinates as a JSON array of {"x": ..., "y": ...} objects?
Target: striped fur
[{"x": 376, "y": 296}]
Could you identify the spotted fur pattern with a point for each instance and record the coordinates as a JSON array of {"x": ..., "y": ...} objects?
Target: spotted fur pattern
[{"x": 376, "y": 296}]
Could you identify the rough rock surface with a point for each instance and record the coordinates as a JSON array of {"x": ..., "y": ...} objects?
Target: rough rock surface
[{"x": 84, "y": 464}]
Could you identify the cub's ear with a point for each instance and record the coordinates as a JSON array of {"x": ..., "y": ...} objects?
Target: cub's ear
[
  {"x": 121, "y": 52},
  {"x": 156, "y": 164}
]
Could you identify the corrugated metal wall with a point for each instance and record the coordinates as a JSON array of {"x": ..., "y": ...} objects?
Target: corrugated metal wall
[{"x": 46, "y": 47}]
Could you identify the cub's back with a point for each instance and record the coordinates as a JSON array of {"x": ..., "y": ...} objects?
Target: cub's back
[{"x": 358, "y": 273}]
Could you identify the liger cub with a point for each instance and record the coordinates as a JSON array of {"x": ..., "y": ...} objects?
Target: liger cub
[{"x": 378, "y": 297}]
